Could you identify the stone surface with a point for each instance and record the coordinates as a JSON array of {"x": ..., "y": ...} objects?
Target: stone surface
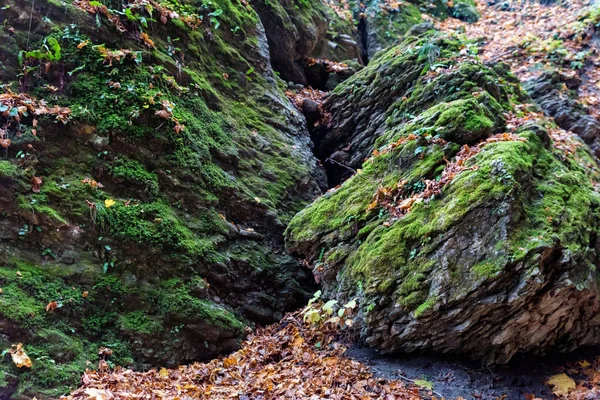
[
  {"x": 501, "y": 260},
  {"x": 567, "y": 112}
]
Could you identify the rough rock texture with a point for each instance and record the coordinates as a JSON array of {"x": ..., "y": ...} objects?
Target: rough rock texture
[
  {"x": 384, "y": 24},
  {"x": 465, "y": 10},
  {"x": 500, "y": 259},
  {"x": 189, "y": 133},
  {"x": 300, "y": 29},
  {"x": 547, "y": 92},
  {"x": 389, "y": 92}
]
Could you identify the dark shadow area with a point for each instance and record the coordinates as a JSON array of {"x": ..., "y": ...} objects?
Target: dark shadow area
[{"x": 454, "y": 376}]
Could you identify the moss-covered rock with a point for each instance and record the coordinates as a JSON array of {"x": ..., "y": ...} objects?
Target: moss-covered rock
[
  {"x": 465, "y": 10},
  {"x": 429, "y": 84},
  {"x": 154, "y": 215},
  {"x": 297, "y": 29},
  {"x": 488, "y": 249}
]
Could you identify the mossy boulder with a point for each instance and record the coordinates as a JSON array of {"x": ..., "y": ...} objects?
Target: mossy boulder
[
  {"x": 475, "y": 245},
  {"x": 385, "y": 24},
  {"x": 154, "y": 215},
  {"x": 382, "y": 25},
  {"x": 419, "y": 85},
  {"x": 465, "y": 10}
]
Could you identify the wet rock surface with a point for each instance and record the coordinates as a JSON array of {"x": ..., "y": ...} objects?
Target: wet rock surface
[{"x": 454, "y": 377}]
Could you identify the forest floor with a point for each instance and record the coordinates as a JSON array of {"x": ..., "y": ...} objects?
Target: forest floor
[
  {"x": 533, "y": 38},
  {"x": 298, "y": 359}
]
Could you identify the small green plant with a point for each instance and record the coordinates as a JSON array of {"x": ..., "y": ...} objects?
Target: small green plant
[
  {"x": 319, "y": 313},
  {"x": 50, "y": 51}
]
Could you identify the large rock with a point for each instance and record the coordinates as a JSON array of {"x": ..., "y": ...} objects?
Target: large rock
[
  {"x": 385, "y": 24},
  {"x": 547, "y": 91},
  {"x": 453, "y": 240},
  {"x": 156, "y": 223},
  {"x": 297, "y": 30},
  {"x": 390, "y": 92}
]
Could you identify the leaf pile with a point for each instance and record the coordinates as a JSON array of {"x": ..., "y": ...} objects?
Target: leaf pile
[
  {"x": 14, "y": 107},
  {"x": 330, "y": 66},
  {"x": 577, "y": 381},
  {"x": 297, "y": 97},
  {"x": 292, "y": 359}
]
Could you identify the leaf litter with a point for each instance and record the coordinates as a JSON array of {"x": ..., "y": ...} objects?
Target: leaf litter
[{"x": 294, "y": 359}]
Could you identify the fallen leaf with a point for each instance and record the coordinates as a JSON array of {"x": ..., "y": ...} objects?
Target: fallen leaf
[
  {"x": 53, "y": 305},
  {"x": 19, "y": 357},
  {"x": 561, "y": 384}
]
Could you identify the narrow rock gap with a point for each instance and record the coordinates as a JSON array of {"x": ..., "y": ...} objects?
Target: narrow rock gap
[{"x": 363, "y": 39}]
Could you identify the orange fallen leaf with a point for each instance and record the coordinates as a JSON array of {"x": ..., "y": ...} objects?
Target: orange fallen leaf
[
  {"x": 19, "y": 357},
  {"x": 53, "y": 305}
]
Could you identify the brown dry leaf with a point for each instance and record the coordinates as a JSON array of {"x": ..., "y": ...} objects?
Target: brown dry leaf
[
  {"x": 36, "y": 182},
  {"x": 53, "y": 305},
  {"x": 147, "y": 41},
  {"x": 19, "y": 357}
]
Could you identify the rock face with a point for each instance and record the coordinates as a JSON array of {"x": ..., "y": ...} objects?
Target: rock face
[
  {"x": 384, "y": 24},
  {"x": 297, "y": 30},
  {"x": 568, "y": 113},
  {"x": 455, "y": 236},
  {"x": 154, "y": 216},
  {"x": 366, "y": 108}
]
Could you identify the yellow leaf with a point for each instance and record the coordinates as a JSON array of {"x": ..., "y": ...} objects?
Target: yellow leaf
[
  {"x": 561, "y": 384},
  {"x": 19, "y": 357},
  {"x": 109, "y": 203},
  {"x": 583, "y": 364},
  {"x": 424, "y": 384},
  {"x": 298, "y": 340},
  {"x": 163, "y": 373}
]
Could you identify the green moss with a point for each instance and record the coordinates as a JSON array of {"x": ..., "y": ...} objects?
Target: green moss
[
  {"x": 8, "y": 169},
  {"x": 134, "y": 173},
  {"x": 487, "y": 269},
  {"x": 139, "y": 322},
  {"x": 391, "y": 25},
  {"x": 465, "y": 10},
  {"x": 177, "y": 303},
  {"x": 157, "y": 225},
  {"x": 428, "y": 304}
]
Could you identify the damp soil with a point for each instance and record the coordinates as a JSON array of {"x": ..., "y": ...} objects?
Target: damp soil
[{"x": 454, "y": 377}]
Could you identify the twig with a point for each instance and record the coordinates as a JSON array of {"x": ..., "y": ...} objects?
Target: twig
[
  {"x": 341, "y": 165},
  {"x": 30, "y": 21}
]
